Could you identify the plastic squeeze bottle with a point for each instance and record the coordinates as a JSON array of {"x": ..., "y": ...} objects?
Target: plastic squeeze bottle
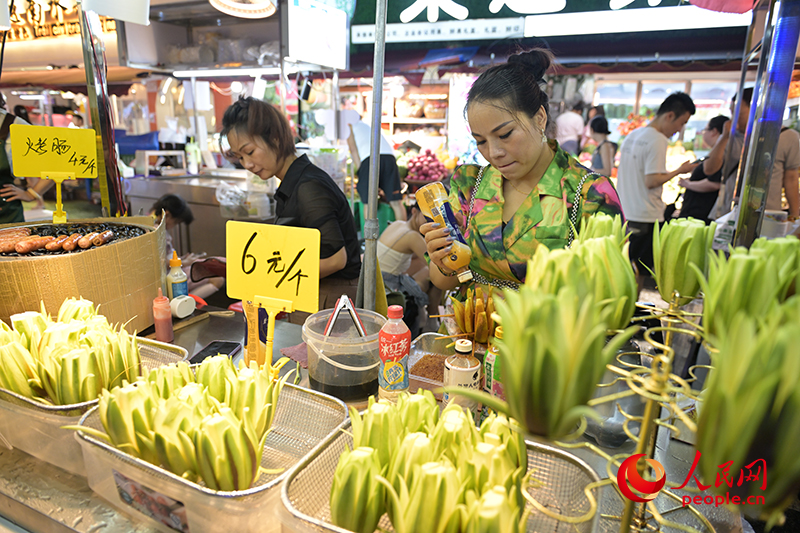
[
  {"x": 492, "y": 379},
  {"x": 177, "y": 282},
  {"x": 394, "y": 343},
  {"x": 491, "y": 367},
  {"x": 163, "y": 318},
  {"x": 432, "y": 201},
  {"x": 463, "y": 370}
]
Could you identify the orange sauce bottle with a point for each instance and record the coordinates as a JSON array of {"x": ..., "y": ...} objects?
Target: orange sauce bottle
[{"x": 432, "y": 201}]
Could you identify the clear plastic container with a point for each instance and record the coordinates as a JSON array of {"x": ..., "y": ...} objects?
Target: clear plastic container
[
  {"x": 35, "y": 428},
  {"x": 432, "y": 345},
  {"x": 343, "y": 364},
  {"x": 304, "y": 420}
]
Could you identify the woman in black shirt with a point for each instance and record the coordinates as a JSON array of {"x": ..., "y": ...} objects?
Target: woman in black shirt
[
  {"x": 702, "y": 187},
  {"x": 261, "y": 138}
]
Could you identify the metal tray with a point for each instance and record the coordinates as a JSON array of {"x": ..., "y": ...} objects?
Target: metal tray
[
  {"x": 35, "y": 428},
  {"x": 306, "y": 492},
  {"x": 304, "y": 421}
]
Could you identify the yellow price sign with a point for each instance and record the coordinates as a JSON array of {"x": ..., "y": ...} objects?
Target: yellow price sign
[
  {"x": 276, "y": 267},
  {"x": 279, "y": 262},
  {"x": 39, "y": 150}
]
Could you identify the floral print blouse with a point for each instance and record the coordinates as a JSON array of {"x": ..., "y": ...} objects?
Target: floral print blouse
[{"x": 501, "y": 251}]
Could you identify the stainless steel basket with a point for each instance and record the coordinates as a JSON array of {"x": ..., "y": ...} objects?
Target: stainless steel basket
[
  {"x": 306, "y": 492},
  {"x": 304, "y": 420},
  {"x": 35, "y": 428}
]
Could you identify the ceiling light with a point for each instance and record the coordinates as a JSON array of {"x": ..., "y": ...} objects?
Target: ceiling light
[
  {"x": 252, "y": 9},
  {"x": 236, "y": 86},
  {"x": 69, "y": 95},
  {"x": 31, "y": 97},
  {"x": 229, "y": 72}
]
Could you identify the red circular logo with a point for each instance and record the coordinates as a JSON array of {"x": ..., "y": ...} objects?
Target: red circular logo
[{"x": 628, "y": 477}]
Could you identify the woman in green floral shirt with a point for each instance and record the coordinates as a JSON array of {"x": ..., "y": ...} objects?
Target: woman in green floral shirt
[{"x": 525, "y": 197}]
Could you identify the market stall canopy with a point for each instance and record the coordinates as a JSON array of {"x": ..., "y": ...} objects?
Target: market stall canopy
[
  {"x": 638, "y": 35},
  {"x": 73, "y": 79}
]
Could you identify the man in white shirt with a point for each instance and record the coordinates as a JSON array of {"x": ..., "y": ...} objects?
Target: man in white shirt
[
  {"x": 569, "y": 128},
  {"x": 642, "y": 173}
]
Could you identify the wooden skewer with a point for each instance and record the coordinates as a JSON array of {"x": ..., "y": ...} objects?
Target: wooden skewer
[
  {"x": 440, "y": 316},
  {"x": 454, "y": 336}
]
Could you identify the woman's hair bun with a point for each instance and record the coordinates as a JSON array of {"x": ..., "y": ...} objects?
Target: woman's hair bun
[{"x": 537, "y": 61}]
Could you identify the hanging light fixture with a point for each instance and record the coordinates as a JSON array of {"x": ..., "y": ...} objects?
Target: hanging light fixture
[{"x": 249, "y": 9}]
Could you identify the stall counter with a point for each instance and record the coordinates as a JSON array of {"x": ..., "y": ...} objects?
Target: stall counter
[{"x": 42, "y": 498}]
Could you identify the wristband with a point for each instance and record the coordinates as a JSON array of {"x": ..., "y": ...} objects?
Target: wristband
[{"x": 35, "y": 194}]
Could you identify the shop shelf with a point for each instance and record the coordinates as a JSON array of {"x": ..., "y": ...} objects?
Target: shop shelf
[
  {"x": 304, "y": 419},
  {"x": 414, "y": 120},
  {"x": 35, "y": 428}
]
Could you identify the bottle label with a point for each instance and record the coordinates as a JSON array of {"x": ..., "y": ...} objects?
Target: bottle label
[
  {"x": 469, "y": 378},
  {"x": 393, "y": 354},
  {"x": 493, "y": 384},
  {"x": 179, "y": 289}
]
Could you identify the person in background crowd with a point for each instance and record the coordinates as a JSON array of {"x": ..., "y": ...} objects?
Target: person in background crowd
[
  {"x": 569, "y": 127},
  {"x": 11, "y": 194},
  {"x": 22, "y": 112},
  {"x": 603, "y": 155},
  {"x": 784, "y": 170},
  {"x": 388, "y": 174},
  {"x": 784, "y": 174},
  {"x": 525, "y": 197},
  {"x": 732, "y": 156},
  {"x": 643, "y": 171},
  {"x": 261, "y": 138},
  {"x": 594, "y": 111},
  {"x": 77, "y": 121},
  {"x": 703, "y": 186},
  {"x": 399, "y": 243},
  {"x": 175, "y": 211}
]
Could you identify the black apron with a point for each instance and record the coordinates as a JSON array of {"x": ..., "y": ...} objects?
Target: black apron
[{"x": 10, "y": 211}]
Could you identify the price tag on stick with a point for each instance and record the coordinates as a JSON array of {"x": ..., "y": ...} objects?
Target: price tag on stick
[
  {"x": 53, "y": 153},
  {"x": 275, "y": 267}
]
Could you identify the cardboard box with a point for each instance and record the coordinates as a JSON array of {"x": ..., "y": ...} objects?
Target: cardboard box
[{"x": 121, "y": 277}]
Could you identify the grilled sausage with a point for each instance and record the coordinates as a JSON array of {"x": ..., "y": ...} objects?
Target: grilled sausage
[
  {"x": 29, "y": 245},
  {"x": 54, "y": 246},
  {"x": 103, "y": 238},
  {"x": 86, "y": 240},
  {"x": 72, "y": 242},
  {"x": 14, "y": 232},
  {"x": 7, "y": 246}
]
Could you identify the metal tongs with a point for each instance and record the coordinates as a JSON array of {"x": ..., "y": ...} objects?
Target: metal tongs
[{"x": 345, "y": 304}]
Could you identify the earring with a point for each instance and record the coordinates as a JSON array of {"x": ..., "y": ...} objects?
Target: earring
[{"x": 544, "y": 138}]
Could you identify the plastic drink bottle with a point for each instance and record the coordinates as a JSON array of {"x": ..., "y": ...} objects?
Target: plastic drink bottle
[
  {"x": 493, "y": 383},
  {"x": 463, "y": 370},
  {"x": 394, "y": 343},
  {"x": 177, "y": 283},
  {"x": 432, "y": 201},
  {"x": 162, "y": 315}
]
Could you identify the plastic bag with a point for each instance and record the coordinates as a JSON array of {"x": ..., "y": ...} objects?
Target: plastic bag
[
  {"x": 232, "y": 200},
  {"x": 230, "y": 195},
  {"x": 726, "y": 227}
]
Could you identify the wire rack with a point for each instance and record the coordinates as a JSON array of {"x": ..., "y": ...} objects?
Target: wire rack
[
  {"x": 563, "y": 478},
  {"x": 35, "y": 428},
  {"x": 661, "y": 390},
  {"x": 303, "y": 419},
  {"x": 152, "y": 353}
]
